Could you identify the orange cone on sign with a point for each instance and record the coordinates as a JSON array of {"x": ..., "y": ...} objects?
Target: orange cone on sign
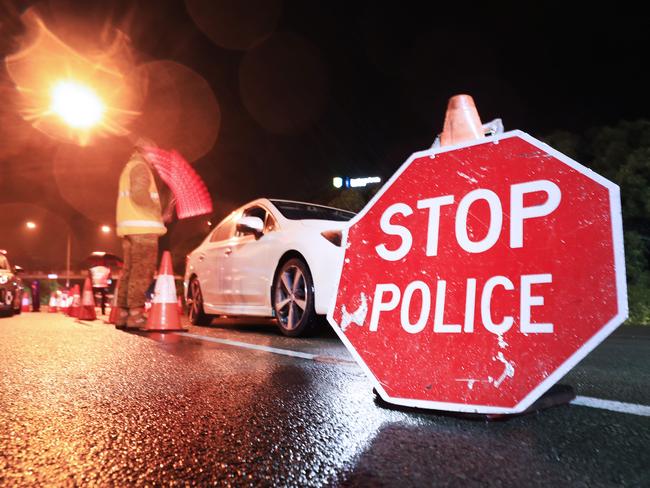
[
  {"x": 24, "y": 305},
  {"x": 52, "y": 308},
  {"x": 75, "y": 306},
  {"x": 462, "y": 123},
  {"x": 87, "y": 310},
  {"x": 164, "y": 315}
]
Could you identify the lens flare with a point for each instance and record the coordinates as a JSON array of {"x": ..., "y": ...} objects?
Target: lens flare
[
  {"x": 78, "y": 105},
  {"x": 72, "y": 93}
]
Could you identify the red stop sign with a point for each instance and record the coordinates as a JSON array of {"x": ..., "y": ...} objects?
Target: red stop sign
[{"x": 479, "y": 275}]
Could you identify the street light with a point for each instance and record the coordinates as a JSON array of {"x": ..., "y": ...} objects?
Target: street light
[
  {"x": 30, "y": 225},
  {"x": 78, "y": 105},
  {"x": 105, "y": 229}
]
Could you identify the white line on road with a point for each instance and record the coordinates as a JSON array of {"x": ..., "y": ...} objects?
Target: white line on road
[
  {"x": 614, "y": 406},
  {"x": 274, "y": 350},
  {"x": 632, "y": 408}
]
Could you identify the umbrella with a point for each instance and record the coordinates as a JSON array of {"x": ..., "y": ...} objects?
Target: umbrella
[
  {"x": 192, "y": 196},
  {"x": 101, "y": 258}
]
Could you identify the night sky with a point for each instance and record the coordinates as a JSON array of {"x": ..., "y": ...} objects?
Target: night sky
[{"x": 311, "y": 90}]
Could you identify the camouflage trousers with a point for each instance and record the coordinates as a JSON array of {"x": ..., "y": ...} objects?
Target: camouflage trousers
[{"x": 140, "y": 256}]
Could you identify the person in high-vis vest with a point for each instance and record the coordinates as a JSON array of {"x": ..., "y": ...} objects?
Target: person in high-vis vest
[{"x": 140, "y": 223}]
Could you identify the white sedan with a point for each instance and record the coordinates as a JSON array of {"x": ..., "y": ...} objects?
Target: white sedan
[{"x": 269, "y": 258}]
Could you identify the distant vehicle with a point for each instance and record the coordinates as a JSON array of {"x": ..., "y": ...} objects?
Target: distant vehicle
[
  {"x": 11, "y": 287},
  {"x": 269, "y": 258}
]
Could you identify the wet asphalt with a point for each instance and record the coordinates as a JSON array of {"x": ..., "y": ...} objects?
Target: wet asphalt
[{"x": 82, "y": 404}]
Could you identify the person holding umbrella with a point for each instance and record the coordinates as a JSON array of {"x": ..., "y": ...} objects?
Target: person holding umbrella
[
  {"x": 140, "y": 222},
  {"x": 99, "y": 267}
]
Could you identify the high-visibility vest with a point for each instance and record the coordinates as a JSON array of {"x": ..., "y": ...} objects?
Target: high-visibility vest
[{"x": 132, "y": 218}]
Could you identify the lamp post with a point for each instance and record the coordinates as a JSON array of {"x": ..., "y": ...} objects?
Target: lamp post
[{"x": 67, "y": 272}]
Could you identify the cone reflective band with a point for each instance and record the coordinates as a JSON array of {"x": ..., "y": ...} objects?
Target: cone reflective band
[
  {"x": 192, "y": 196},
  {"x": 165, "y": 290}
]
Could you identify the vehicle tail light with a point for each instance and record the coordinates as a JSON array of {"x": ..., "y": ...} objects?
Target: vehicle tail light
[{"x": 334, "y": 236}]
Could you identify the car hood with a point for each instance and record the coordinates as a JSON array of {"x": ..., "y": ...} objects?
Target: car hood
[{"x": 323, "y": 225}]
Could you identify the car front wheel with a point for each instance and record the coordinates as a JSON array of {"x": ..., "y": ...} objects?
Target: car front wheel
[
  {"x": 293, "y": 299},
  {"x": 195, "y": 302}
]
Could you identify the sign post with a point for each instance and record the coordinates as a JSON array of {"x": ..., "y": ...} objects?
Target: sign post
[{"x": 480, "y": 274}]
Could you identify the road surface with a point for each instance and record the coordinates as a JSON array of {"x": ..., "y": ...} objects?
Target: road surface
[{"x": 238, "y": 404}]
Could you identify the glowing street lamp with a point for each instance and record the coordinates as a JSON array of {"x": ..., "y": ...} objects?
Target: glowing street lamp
[
  {"x": 30, "y": 225},
  {"x": 76, "y": 104},
  {"x": 105, "y": 229}
]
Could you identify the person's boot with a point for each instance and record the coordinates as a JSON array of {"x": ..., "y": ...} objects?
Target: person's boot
[
  {"x": 136, "y": 319},
  {"x": 122, "y": 316}
]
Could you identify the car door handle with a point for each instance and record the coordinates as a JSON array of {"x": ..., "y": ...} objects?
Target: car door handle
[
  {"x": 201, "y": 257},
  {"x": 228, "y": 252}
]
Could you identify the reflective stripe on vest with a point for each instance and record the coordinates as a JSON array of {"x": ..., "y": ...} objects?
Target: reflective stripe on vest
[{"x": 141, "y": 223}]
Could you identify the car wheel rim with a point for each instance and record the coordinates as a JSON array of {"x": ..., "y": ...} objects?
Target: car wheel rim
[
  {"x": 197, "y": 300},
  {"x": 291, "y": 297}
]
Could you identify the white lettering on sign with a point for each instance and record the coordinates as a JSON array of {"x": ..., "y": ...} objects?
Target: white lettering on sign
[
  {"x": 518, "y": 213},
  {"x": 496, "y": 221},
  {"x": 528, "y": 300},
  {"x": 378, "y": 305},
  {"x": 486, "y": 301},
  {"x": 381, "y": 303},
  {"x": 418, "y": 326},
  {"x": 388, "y": 296},
  {"x": 395, "y": 230},
  {"x": 434, "y": 204}
]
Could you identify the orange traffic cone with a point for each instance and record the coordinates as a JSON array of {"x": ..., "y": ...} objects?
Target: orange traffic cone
[
  {"x": 52, "y": 308},
  {"x": 24, "y": 305},
  {"x": 112, "y": 316},
  {"x": 73, "y": 309},
  {"x": 164, "y": 315},
  {"x": 462, "y": 123},
  {"x": 62, "y": 302},
  {"x": 87, "y": 310}
]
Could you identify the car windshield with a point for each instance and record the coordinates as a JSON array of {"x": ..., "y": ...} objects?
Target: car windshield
[
  {"x": 304, "y": 211},
  {"x": 4, "y": 263}
]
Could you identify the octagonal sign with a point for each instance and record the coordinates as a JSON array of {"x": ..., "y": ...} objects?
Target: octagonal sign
[{"x": 480, "y": 274}]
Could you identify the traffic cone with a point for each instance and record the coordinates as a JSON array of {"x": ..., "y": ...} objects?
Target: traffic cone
[
  {"x": 164, "y": 316},
  {"x": 52, "y": 308},
  {"x": 24, "y": 305},
  {"x": 462, "y": 123},
  {"x": 63, "y": 302},
  {"x": 112, "y": 316},
  {"x": 87, "y": 310},
  {"x": 75, "y": 306}
]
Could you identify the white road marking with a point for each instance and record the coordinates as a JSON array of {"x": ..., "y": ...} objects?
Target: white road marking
[
  {"x": 248, "y": 345},
  {"x": 275, "y": 350},
  {"x": 614, "y": 406}
]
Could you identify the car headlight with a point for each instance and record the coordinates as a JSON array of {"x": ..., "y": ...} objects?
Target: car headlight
[{"x": 3, "y": 280}]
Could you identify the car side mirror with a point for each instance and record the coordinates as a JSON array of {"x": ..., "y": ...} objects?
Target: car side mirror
[{"x": 250, "y": 225}]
